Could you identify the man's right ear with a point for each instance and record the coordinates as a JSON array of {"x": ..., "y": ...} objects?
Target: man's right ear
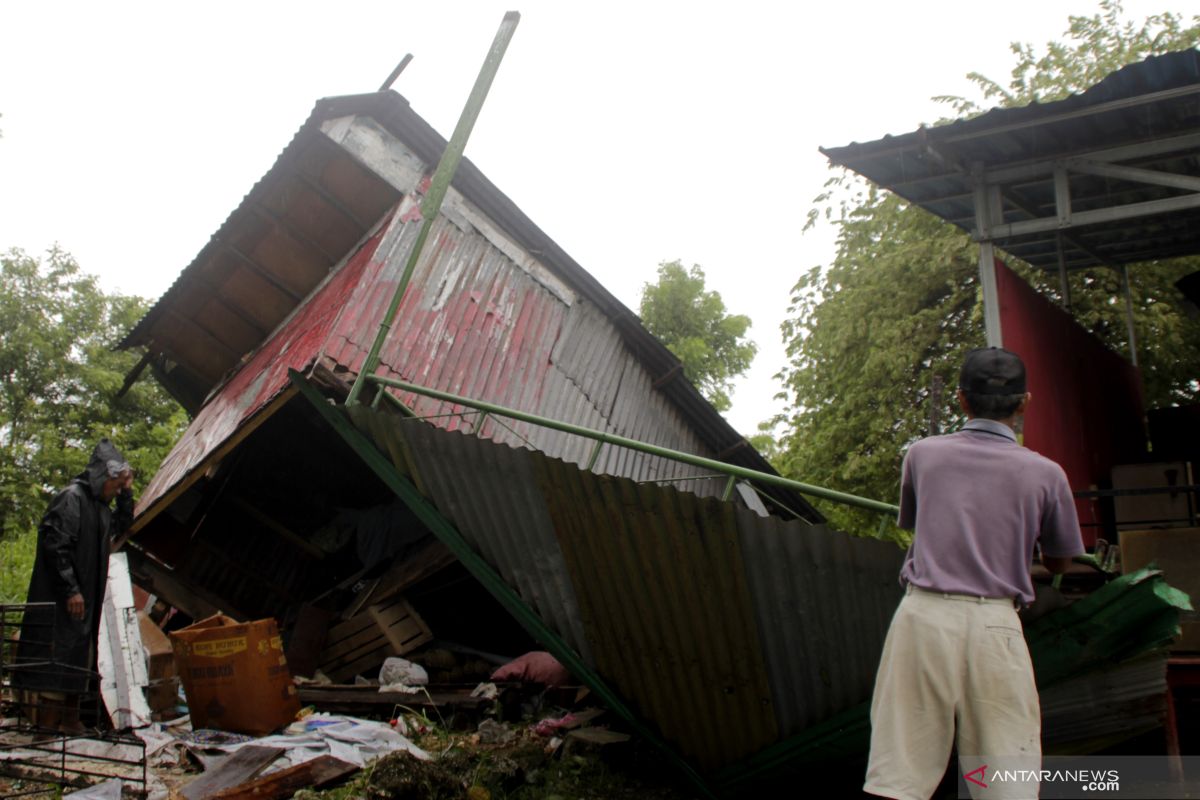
[{"x": 962, "y": 402}]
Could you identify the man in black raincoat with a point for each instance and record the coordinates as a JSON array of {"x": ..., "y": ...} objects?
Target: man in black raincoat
[{"x": 56, "y": 656}]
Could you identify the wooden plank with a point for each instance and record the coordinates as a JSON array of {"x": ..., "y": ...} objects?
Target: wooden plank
[
  {"x": 277, "y": 528},
  {"x": 343, "y": 646},
  {"x": 314, "y": 774},
  {"x": 368, "y": 663},
  {"x": 308, "y": 639},
  {"x": 350, "y": 628},
  {"x": 351, "y": 697},
  {"x": 243, "y": 765},
  {"x": 400, "y": 625},
  {"x": 430, "y": 559}
]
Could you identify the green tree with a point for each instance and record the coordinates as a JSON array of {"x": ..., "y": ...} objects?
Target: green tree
[
  {"x": 694, "y": 325},
  {"x": 872, "y": 336},
  {"x": 62, "y": 379}
]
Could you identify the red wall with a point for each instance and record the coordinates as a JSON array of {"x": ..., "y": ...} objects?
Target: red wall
[{"x": 1087, "y": 412}]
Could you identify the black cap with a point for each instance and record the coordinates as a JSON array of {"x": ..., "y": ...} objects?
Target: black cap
[{"x": 992, "y": 370}]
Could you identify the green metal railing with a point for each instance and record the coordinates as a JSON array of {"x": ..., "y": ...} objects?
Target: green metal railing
[
  {"x": 439, "y": 185},
  {"x": 733, "y": 471}
]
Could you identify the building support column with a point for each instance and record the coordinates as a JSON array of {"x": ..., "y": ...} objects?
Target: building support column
[
  {"x": 1064, "y": 285},
  {"x": 991, "y": 294},
  {"x": 1133, "y": 357}
]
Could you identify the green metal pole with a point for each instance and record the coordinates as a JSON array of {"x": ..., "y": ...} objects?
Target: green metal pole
[
  {"x": 438, "y": 187},
  {"x": 441, "y": 527},
  {"x": 644, "y": 447}
]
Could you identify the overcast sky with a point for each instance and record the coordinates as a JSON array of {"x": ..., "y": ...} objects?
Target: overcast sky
[{"x": 632, "y": 133}]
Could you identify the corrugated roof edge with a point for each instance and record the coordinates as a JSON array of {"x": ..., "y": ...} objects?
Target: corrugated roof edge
[
  {"x": 393, "y": 111},
  {"x": 1156, "y": 73}
]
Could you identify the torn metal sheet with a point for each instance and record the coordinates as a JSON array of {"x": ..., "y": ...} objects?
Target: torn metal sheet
[
  {"x": 703, "y": 615},
  {"x": 121, "y": 657}
]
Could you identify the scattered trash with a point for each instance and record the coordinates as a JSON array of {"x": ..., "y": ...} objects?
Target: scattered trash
[
  {"x": 232, "y": 770},
  {"x": 553, "y": 727},
  {"x": 235, "y": 675},
  {"x": 487, "y": 691},
  {"x": 401, "y": 675},
  {"x": 597, "y": 736},
  {"x": 492, "y": 732},
  {"x": 314, "y": 774},
  {"x": 550, "y": 727},
  {"x": 535, "y": 667}
]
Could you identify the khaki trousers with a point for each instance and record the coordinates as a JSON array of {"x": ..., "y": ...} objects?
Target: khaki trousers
[{"x": 955, "y": 669}]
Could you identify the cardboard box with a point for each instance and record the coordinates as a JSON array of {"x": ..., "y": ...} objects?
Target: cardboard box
[
  {"x": 1176, "y": 551},
  {"x": 235, "y": 675},
  {"x": 1161, "y": 510},
  {"x": 160, "y": 655}
]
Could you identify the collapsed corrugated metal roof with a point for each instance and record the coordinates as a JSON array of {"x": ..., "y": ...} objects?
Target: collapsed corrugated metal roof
[
  {"x": 496, "y": 310},
  {"x": 1131, "y": 140},
  {"x": 726, "y": 628}
]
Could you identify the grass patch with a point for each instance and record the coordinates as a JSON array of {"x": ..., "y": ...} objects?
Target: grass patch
[{"x": 16, "y": 565}]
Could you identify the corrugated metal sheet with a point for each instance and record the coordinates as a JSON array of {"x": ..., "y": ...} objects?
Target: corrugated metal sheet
[
  {"x": 476, "y": 324},
  {"x": 261, "y": 379},
  {"x": 727, "y": 629},
  {"x": 1090, "y": 711},
  {"x": 921, "y": 166},
  {"x": 498, "y": 311}
]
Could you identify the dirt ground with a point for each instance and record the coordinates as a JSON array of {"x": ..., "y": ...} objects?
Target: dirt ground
[{"x": 524, "y": 767}]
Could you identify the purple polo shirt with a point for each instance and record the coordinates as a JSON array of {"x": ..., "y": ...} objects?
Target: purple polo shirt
[{"x": 978, "y": 502}]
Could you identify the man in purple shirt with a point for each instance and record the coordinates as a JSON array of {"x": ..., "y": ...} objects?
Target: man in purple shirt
[{"x": 955, "y": 667}]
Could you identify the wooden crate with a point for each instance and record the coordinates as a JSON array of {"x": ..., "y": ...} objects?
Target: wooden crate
[{"x": 389, "y": 628}]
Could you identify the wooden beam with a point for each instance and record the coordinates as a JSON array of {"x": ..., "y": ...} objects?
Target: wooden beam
[
  {"x": 174, "y": 588},
  {"x": 278, "y": 529},
  {"x": 294, "y": 232},
  {"x": 320, "y": 771},
  {"x": 260, "y": 270},
  {"x": 333, "y": 201},
  {"x": 233, "y": 770}
]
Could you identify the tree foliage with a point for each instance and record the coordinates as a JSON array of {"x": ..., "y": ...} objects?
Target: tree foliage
[
  {"x": 695, "y": 326},
  {"x": 61, "y": 383},
  {"x": 872, "y": 336}
]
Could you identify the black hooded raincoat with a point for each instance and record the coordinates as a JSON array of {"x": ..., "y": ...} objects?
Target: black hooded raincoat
[{"x": 57, "y": 653}]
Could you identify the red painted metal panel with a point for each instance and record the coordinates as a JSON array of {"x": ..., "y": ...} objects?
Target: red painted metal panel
[
  {"x": 1087, "y": 410},
  {"x": 262, "y": 377},
  {"x": 472, "y": 323}
]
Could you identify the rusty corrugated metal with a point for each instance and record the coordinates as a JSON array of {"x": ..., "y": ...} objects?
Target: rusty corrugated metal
[
  {"x": 264, "y": 377},
  {"x": 716, "y": 623},
  {"x": 499, "y": 503},
  {"x": 1115, "y": 702},
  {"x": 497, "y": 311},
  {"x": 823, "y": 660},
  {"x": 1152, "y": 100},
  {"x": 473, "y": 323}
]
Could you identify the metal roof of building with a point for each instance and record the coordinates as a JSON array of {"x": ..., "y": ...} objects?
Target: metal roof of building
[
  {"x": 1139, "y": 124},
  {"x": 726, "y": 628},
  {"x": 496, "y": 311}
]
